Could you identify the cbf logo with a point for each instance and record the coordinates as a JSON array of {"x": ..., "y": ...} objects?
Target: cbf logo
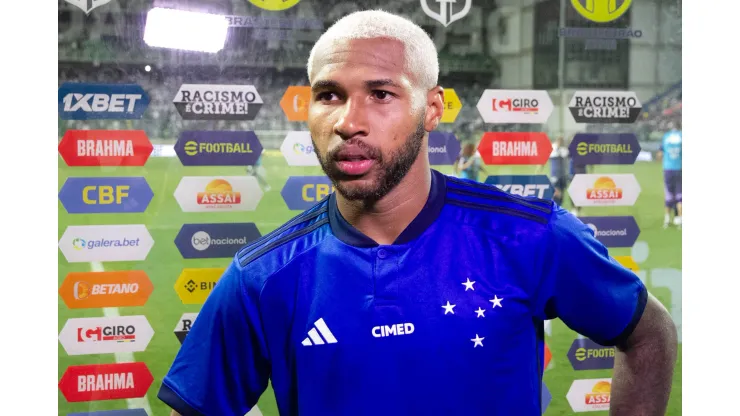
[
  {"x": 80, "y": 101},
  {"x": 303, "y": 192},
  {"x": 105, "y": 195},
  {"x": 217, "y": 102},
  {"x": 601, "y": 11},
  {"x": 88, "y": 5},
  {"x": 446, "y": 14}
]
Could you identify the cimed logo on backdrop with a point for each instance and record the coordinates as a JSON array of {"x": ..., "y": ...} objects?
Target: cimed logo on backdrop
[
  {"x": 443, "y": 148},
  {"x": 207, "y": 241},
  {"x": 538, "y": 186},
  {"x": 217, "y": 102},
  {"x": 605, "y": 107},
  {"x": 447, "y": 13},
  {"x": 218, "y": 148},
  {"x": 86, "y": 101},
  {"x": 302, "y": 192}
]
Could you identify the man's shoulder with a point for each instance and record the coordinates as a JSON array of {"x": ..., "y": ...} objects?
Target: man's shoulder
[{"x": 260, "y": 259}]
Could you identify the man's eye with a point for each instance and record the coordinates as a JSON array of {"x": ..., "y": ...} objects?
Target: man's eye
[
  {"x": 381, "y": 95},
  {"x": 325, "y": 96}
]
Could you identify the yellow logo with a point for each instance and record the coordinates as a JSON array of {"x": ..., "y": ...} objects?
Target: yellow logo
[
  {"x": 274, "y": 5},
  {"x": 582, "y": 148},
  {"x": 194, "y": 285},
  {"x": 628, "y": 262},
  {"x": 452, "y": 106},
  {"x": 601, "y": 11},
  {"x": 191, "y": 148}
]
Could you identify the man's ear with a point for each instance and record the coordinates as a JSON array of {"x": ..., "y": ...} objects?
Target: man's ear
[{"x": 435, "y": 106}]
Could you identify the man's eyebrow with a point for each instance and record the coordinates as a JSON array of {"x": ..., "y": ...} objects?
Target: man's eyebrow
[
  {"x": 375, "y": 83},
  {"x": 322, "y": 84}
]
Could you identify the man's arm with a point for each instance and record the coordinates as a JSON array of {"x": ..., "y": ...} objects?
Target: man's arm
[{"x": 643, "y": 365}]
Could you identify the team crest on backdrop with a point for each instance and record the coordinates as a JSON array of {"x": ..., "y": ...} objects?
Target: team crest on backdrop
[
  {"x": 446, "y": 14},
  {"x": 88, "y": 5}
]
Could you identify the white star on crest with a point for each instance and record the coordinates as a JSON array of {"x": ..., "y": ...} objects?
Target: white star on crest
[
  {"x": 468, "y": 284},
  {"x": 448, "y": 308},
  {"x": 480, "y": 313},
  {"x": 496, "y": 301},
  {"x": 478, "y": 341}
]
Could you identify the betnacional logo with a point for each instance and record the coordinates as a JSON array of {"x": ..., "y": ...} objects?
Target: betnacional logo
[
  {"x": 295, "y": 103},
  {"x": 89, "y": 243},
  {"x": 613, "y": 231},
  {"x": 110, "y": 289},
  {"x": 585, "y": 354},
  {"x": 84, "y": 336},
  {"x": 83, "y": 101},
  {"x": 514, "y": 148},
  {"x": 218, "y": 102},
  {"x": 590, "y": 395},
  {"x": 105, "y": 148},
  {"x": 194, "y": 285},
  {"x": 443, "y": 148},
  {"x": 183, "y": 326},
  {"x": 209, "y": 241},
  {"x": 84, "y": 383},
  {"x": 447, "y": 13},
  {"x": 515, "y": 106},
  {"x": 85, "y": 195},
  {"x": 605, "y": 107},
  {"x": 601, "y": 189},
  {"x": 302, "y": 192},
  {"x": 225, "y": 193},
  {"x": 218, "y": 148},
  {"x": 297, "y": 149},
  {"x": 538, "y": 186}
]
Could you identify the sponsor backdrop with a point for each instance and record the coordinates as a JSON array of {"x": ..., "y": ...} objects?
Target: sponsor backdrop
[{"x": 150, "y": 217}]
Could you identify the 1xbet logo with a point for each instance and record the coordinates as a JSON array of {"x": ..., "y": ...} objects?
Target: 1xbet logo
[{"x": 80, "y": 101}]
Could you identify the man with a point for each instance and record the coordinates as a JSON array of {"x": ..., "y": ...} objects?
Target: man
[
  {"x": 469, "y": 164},
  {"x": 260, "y": 173},
  {"x": 558, "y": 169},
  {"x": 671, "y": 153},
  {"x": 363, "y": 305}
]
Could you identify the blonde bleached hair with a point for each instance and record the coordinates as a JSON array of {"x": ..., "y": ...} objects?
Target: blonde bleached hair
[{"x": 421, "y": 54}]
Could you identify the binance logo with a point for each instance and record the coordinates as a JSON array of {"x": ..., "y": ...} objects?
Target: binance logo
[
  {"x": 191, "y": 286},
  {"x": 601, "y": 11}
]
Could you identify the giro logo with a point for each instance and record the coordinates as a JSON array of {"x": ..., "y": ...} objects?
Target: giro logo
[
  {"x": 585, "y": 354},
  {"x": 210, "y": 241},
  {"x": 297, "y": 149},
  {"x": 295, "y": 103},
  {"x": 88, "y": 5},
  {"x": 111, "y": 289},
  {"x": 83, "y": 336},
  {"x": 217, "y": 102},
  {"x": 601, "y": 11},
  {"x": 88, "y": 243},
  {"x": 194, "y": 285},
  {"x": 218, "y": 148},
  {"x": 537, "y": 186},
  {"x": 81, "y": 101},
  {"x": 447, "y": 13},
  {"x": 84, "y": 383},
  {"x": 515, "y": 106},
  {"x": 443, "y": 148}
]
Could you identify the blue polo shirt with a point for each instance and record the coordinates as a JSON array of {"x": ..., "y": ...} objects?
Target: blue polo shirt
[{"x": 446, "y": 320}]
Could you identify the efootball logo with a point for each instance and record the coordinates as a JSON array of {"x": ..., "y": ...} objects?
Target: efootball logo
[
  {"x": 218, "y": 102},
  {"x": 605, "y": 107}
]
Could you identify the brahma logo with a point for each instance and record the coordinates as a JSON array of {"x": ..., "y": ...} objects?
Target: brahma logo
[
  {"x": 604, "y": 189},
  {"x": 84, "y": 383},
  {"x": 598, "y": 190},
  {"x": 514, "y": 148},
  {"x": 105, "y": 147},
  {"x": 225, "y": 193},
  {"x": 515, "y": 106},
  {"x": 82, "y": 336},
  {"x": 590, "y": 395}
]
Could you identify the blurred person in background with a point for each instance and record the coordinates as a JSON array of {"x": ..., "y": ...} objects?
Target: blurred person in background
[
  {"x": 469, "y": 164},
  {"x": 259, "y": 172},
  {"x": 670, "y": 154},
  {"x": 575, "y": 169},
  {"x": 558, "y": 169}
]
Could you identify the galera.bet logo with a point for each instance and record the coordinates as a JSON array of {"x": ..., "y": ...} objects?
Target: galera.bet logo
[
  {"x": 446, "y": 14},
  {"x": 601, "y": 11}
]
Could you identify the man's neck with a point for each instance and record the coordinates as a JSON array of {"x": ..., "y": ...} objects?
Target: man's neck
[{"x": 386, "y": 219}]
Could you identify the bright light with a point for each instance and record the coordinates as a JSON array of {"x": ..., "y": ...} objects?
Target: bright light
[
  {"x": 190, "y": 31},
  {"x": 147, "y": 68}
]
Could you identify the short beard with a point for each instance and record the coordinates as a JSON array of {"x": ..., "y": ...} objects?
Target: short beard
[{"x": 389, "y": 173}]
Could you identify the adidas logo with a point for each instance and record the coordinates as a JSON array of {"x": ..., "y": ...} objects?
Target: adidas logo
[{"x": 313, "y": 334}]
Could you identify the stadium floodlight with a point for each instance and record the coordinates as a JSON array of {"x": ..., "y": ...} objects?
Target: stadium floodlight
[{"x": 186, "y": 30}]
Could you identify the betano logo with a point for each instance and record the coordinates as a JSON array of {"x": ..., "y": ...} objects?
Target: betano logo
[
  {"x": 600, "y": 394},
  {"x": 604, "y": 189},
  {"x": 601, "y": 11},
  {"x": 219, "y": 193},
  {"x": 110, "y": 289}
]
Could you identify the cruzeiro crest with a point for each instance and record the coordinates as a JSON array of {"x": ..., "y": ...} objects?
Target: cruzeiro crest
[
  {"x": 87, "y": 5},
  {"x": 446, "y": 13}
]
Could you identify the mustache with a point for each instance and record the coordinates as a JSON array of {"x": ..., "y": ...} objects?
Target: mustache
[{"x": 370, "y": 151}]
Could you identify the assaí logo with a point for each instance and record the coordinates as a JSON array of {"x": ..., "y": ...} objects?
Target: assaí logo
[
  {"x": 219, "y": 193},
  {"x": 82, "y": 101}
]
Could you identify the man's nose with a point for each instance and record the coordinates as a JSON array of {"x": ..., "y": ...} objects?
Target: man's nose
[{"x": 353, "y": 120}]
